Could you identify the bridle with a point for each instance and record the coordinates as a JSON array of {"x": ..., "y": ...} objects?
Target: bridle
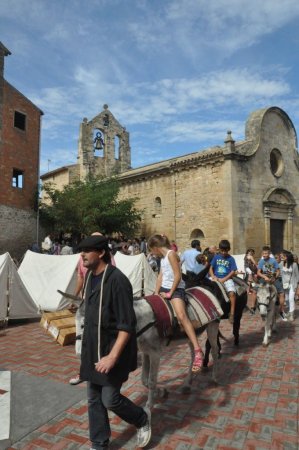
[{"x": 267, "y": 305}]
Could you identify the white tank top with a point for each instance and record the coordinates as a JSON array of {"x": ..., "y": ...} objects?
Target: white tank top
[{"x": 167, "y": 273}]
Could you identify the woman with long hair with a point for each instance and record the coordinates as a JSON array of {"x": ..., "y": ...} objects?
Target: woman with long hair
[{"x": 290, "y": 278}]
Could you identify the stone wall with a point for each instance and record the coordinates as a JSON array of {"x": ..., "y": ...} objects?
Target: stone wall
[
  {"x": 195, "y": 203},
  {"x": 16, "y": 238}
]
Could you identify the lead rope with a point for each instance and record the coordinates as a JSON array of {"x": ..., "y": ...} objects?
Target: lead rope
[{"x": 100, "y": 313}]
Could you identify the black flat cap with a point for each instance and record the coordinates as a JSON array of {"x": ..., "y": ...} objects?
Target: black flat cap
[{"x": 94, "y": 243}]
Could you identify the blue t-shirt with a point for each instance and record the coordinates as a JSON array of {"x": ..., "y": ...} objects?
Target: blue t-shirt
[
  {"x": 223, "y": 265},
  {"x": 268, "y": 266}
]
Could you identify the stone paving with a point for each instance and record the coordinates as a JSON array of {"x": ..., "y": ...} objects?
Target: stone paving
[{"x": 254, "y": 408}]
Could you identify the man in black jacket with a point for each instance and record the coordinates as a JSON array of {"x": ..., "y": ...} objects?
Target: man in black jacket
[{"x": 109, "y": 348}]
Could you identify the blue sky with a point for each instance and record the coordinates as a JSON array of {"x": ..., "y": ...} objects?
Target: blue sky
[{"x": 176, "y": 73}]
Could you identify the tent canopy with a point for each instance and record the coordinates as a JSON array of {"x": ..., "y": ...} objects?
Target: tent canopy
[
  {"x": 44, "y": 274},
  {"x": 139, "y": 272},
  {"x": 15, "y": 300}
]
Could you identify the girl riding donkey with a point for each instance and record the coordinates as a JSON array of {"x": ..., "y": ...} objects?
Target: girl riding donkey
[{"x": 171, "y": 287}]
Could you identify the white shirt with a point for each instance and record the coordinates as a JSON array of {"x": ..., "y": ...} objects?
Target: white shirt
[{"x": 167, "y": 273}]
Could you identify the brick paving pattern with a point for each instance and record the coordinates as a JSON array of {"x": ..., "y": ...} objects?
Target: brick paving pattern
[{"x": 255, "y": 407}]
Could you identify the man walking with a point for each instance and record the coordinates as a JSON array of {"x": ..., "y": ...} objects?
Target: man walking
[{"x": 109, "y": 348}]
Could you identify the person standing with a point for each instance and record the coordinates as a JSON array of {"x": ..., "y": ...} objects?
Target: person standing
[
  {"x": 47, "y": 244},
  {"x": 188, "y": 258},
  {"x": 143, "y": 245},
  {"x": 290, "y": 278},
  {"x": 66, "y": 249},
  {"x": 109, "y": 346},
  {"x": 80, "y": 310}
]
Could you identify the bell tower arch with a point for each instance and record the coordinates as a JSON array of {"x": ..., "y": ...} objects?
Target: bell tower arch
[{"x": 103, "y": 147}]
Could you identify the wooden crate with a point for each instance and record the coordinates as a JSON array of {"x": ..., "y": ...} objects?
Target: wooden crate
[
  {"x": 58, "y": 324},
  {"x": 47, "y": 317},
  {"x": 67, "y": 336}
]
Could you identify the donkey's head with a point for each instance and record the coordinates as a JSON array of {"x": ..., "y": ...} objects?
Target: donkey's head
[{"x": 266, "y": 294}]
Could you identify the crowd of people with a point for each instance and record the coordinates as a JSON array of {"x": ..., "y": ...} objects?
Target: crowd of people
[{"x": 107, "y": 334}]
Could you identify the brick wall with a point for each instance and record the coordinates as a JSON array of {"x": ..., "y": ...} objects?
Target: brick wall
[{"x": 19, "y": 149}]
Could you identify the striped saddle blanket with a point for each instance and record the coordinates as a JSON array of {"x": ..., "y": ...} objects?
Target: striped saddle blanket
[{"x": 202, "y": 308}]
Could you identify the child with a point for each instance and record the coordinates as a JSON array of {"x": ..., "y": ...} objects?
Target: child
[
  {"x": 223, "y": 268},
  {"x": 171, "y": 287}
]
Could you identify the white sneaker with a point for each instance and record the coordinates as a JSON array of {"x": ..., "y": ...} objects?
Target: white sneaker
[
  {"x": 283, "y": 316},
  {"x": 291, "y": 316},
  {"x": 144, "y": 433},
  {"x": 75, "y": 380}
]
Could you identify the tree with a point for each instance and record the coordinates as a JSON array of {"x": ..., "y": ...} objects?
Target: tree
[{"x": 90, "y": 205}]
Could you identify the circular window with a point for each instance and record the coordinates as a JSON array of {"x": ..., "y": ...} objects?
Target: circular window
[{"x": 276, "y": 163}]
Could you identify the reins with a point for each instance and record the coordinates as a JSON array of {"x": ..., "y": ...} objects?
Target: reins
[{"x": 145, "y": 328}]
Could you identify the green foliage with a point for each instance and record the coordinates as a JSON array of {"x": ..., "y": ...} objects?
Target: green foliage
[{"x": 88, "y": 206}]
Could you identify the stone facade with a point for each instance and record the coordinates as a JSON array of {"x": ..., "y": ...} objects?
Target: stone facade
[
  {"x": 16, "y": 238},
  {"x": 246, "y": 192},
  {"x": 103, "y": 146},
  {"x": 19, "y": 165},
  {"x": 103, "y": 149}
]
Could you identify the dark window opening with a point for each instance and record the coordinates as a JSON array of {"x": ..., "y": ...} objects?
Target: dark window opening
[
  {"x": 17, "y": 178},
  {"x": 20, "y": 121}
]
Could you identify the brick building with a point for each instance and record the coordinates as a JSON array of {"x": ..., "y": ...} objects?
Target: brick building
[{"x": 20, "y": 123}]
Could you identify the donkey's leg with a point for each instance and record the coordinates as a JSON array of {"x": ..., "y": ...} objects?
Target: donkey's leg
[
  {"x": 267, "y": 330},
  {"x": 212, "y": 331},
  {"x": 274, "y": 322},
  {"x": 145, "y": 369},
  {"x": 186, "y": 386},
  {"x": 207, "y": 354},
  {"x": 154, "y": 361}
]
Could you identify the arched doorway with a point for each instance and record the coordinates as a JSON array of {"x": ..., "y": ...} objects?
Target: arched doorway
[
  {"x": 197, "y": 234},
  {"x": 278, "y": 205}
]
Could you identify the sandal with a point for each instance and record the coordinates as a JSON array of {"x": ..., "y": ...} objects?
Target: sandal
[{"x": 197, "y": 361}]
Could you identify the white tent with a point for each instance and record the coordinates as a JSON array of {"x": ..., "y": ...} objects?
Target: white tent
[
  {"x": 15, "y": 301},
  {"x": 139, "y": 272},
  {"x": 43, "y": 275},
  {"x": 240, "y": 262}
]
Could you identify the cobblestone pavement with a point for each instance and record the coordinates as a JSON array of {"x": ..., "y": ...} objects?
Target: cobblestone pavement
[{"x": 254, "y": 408}]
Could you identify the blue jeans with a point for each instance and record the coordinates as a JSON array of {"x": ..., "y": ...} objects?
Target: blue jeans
[{"x": 104, "y": 398}]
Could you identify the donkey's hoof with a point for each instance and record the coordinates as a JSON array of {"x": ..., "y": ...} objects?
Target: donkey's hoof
[
  {"x": 265, "y": 344},
  {"x": 162, "y": 393},
  {"x": 185, "y": 389}
]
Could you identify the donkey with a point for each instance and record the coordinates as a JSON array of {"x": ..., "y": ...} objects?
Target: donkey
[
  {"x": 215, "y": 288},
  {"x": 266, "y": 302},
  {"x": 150, "y": 344}
]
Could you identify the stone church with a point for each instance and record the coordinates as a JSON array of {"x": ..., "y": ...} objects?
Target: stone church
[{"x": 246, "y": 191}]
